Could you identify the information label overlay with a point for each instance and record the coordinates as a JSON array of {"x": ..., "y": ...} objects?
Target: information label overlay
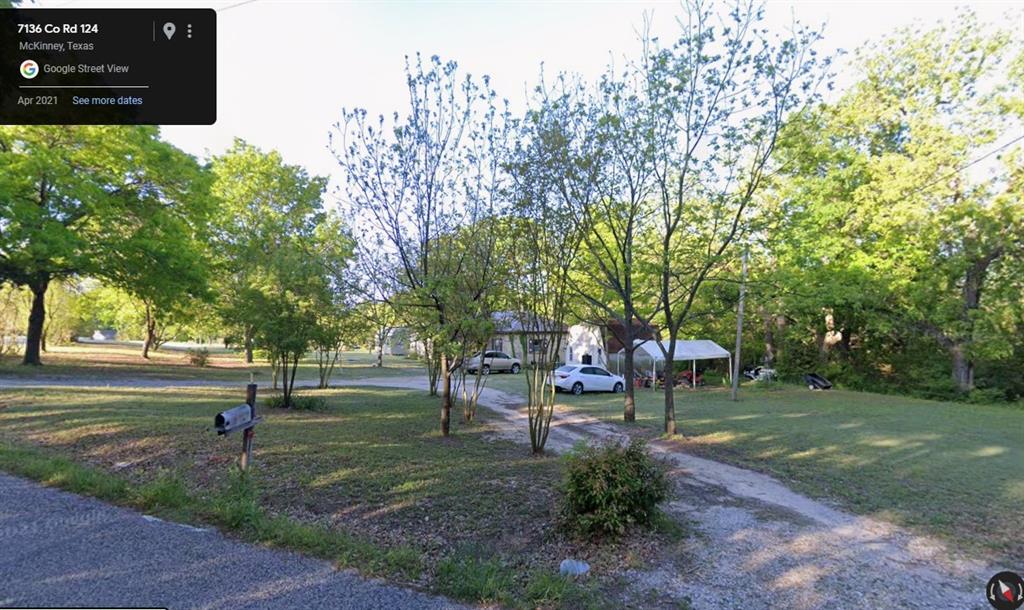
[{"x": 108, "y": 66}]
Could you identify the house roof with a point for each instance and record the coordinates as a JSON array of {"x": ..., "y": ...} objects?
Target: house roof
[
  {"x": 696, "y": 349},
  {"x": 513, "y": 322}
]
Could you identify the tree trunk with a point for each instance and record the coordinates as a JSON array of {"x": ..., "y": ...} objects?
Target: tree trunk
[
  {"x": 290, "y": 381},
  {"x": 629, "y": 411},
  {"x": 36, "y": 320},
  {"x": 769, "y": 338},
  {"x": 150, "y": 332},
  {"x": 963, "y": 365},
  {"x": 963, "y": 368},
  {"x": 670, "y": 398},
  {"x": 433, "y": 366},
  {"x": 780, "y": 338},
  {"x": 446, "y": 396},
  {"x": 380, "y": 355},
  {"x": 247, "y": 339},
  {"x": 819, "y": 345},
  {"x": 845, "y": 343}
]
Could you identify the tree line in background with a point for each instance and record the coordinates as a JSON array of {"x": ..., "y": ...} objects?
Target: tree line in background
[{"x": 885, "y": 227}]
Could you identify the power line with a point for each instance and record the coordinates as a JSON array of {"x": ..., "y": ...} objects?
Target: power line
[
  {"x": 235, "y": 5},
  {"x": 962, "y": 168}
]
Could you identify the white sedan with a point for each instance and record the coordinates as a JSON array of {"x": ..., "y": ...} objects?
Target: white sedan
[{"x": 580, "y": 378}]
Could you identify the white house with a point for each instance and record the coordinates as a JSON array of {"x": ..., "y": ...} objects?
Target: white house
[
  {"x": 580, "y": 342},
  {"x": 584, "y": 343}
]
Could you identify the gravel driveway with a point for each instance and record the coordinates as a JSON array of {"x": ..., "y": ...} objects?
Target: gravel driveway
[{"x": 60, "y": 549}]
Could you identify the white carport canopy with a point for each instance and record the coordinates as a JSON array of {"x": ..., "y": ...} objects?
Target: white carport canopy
[{"x": 692, "y": 350}]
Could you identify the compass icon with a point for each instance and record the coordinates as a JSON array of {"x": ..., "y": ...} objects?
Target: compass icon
[{"x": 1005, "y": 591}]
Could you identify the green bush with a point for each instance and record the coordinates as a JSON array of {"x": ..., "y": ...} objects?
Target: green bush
[
  {"x": 299, "y": 402},
  {"x": 608, "y": 489},
  {"x": 198, "y": 357},
  {"x": 987, "y": 396}
]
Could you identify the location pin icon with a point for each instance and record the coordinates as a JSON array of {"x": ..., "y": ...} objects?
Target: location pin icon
[{"x": 169, "y": 30}]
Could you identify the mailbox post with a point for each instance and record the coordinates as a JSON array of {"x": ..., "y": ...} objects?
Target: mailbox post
[
  {"x": 242, "y": 417},
  {"x": 250, "y": 432}
]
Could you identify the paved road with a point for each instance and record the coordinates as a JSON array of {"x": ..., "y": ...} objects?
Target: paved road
[{"x": 60, "y": 549}]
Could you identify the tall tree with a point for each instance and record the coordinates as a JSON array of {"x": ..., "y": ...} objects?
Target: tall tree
[
  {"x": 717, "y": 99},
  {"x": 422, "y": 188},
  {"x": 555, "y": 168},
  {"x": 895, "y": 176},
  {"x": 279, "y": 250},
  {"x": 82, "y": 200},
  {"x": 609, "y": 275},
  {"x": 266, "y": 206}
]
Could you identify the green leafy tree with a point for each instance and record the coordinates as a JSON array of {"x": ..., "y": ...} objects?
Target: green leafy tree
[
  {"x": 717, "y": 99},
  {"x": 83, "y": 200},
  {"x": 609, "y": 276},
  {"x": 266, "y": 206},
  {"x": 902, "y": 237},
  {"x": 279, "y": 255},
  {"x": 422, "y": 189},
  {"x": 555, "y": 169}
]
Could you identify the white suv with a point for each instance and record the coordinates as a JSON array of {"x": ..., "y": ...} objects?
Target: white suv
[{"x": 580, "y": 378}]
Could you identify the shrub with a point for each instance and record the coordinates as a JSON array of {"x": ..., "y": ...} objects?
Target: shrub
[
  {"x": 987, "y": 396},
  {"x": 198, "y": 357},
  {"x": 299, "y": 402},
  {"x": 608, "y": 489}
]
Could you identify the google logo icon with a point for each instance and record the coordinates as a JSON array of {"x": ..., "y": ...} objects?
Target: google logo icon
[{"x": 29, "y": 69}]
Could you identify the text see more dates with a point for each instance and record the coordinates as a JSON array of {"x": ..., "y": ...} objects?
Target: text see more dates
[{"x": 108, "y": 66}]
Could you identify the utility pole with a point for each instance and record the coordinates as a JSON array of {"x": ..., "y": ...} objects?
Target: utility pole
[{"x": 739, "y": 329}]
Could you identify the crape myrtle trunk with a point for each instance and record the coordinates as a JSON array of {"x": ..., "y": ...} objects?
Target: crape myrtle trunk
[
  {"x": 446, "y": 396},
  {"x": 629, "y": 412}
]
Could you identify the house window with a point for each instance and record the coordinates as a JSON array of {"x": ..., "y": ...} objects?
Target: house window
[
  {"x": 538, "y": 345},
  {"x": 498, "y": 344}
]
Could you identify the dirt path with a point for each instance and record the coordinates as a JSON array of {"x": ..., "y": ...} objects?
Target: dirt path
[{"x": 757, "y": 544}]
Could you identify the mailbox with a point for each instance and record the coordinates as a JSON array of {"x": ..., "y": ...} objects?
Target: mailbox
[{"x": 237, "y": 418}]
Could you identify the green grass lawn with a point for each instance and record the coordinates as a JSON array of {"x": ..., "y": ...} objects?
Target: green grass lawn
[
  {"x": 125, "y": 362},
  {"x": 478, "y": 513},
  {"x": 951, "y": 469}
]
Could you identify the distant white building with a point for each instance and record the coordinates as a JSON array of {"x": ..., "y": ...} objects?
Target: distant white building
[
  {"x": 584, "y": 343},
  {"x": 397, "y": 342}
]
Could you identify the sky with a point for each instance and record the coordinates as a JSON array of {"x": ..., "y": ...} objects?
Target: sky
[{"x": 286, "y": 68}]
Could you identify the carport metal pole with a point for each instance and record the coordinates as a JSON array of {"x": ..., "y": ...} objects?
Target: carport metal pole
[{"x": 693, "y": 374}]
